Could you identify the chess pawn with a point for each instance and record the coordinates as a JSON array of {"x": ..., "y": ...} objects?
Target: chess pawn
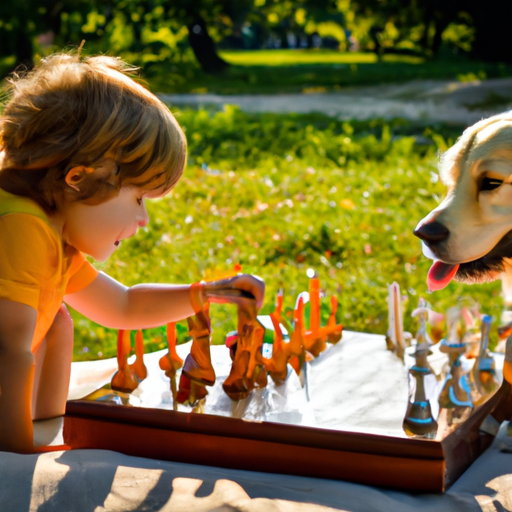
[
  {"x": 314, "y": 341},
  {"x": 171, "y": 362},
  {"x": 190, "y": 392},
  {"x": 419, "y": 420},
  {"x": 422, "y": 338},
  {"x": 335, "y": 334},
  {"x": 395, "y": 339},
  {"x": 472, "y": 336},
  {"x": 277, "y": 366},
  {"x": 198, "y": 364},
  {"x": 138, "y": 365},
  {"x": 455, "y": 396},
  {"x": 256, "y": 374},
  {"x": 125, "y": 379},
  {"x": 236, "y": 383},
  {"x": 483, "y": 375}
]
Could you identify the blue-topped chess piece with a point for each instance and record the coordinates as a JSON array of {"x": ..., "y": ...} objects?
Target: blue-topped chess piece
[
  {"x": 455, "y": 395},
  {"x": 483, "y": 380},
  {"x": 419, "y": 420}
]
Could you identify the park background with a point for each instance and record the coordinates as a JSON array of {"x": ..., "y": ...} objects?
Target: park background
[{"x": 273, "y": 193}]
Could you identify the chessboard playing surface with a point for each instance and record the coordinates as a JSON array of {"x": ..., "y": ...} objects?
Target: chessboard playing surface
[{"x": 356, "y": 385}]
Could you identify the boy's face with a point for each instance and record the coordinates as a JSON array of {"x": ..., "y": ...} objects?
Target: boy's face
[{"x": 97, "y": 230}]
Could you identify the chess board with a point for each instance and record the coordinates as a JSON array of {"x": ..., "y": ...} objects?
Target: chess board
[{"x": 342, "y": 420}]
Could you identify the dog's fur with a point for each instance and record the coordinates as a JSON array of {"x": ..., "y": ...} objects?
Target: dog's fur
[{"x": 479, "y": 221}]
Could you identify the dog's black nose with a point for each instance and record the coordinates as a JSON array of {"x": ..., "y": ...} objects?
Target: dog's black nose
[{"x": 432, "y": 232}]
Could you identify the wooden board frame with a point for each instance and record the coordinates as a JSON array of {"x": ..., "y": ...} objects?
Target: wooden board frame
[{"x": 406, "y": 464}]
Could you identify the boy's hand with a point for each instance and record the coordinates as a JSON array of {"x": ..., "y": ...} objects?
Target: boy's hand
[{"x": 227, "y": 290}]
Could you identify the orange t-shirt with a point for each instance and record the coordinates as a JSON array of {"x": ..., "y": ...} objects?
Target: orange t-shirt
[{"x": 36, "y": 267}]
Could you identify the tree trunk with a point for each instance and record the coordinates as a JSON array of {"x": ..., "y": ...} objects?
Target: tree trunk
[
  {"x": 427, "y": 20},
  {"x": 203, "y": 46},
  {"x": 440, "y": 26},
  {"x": 24, "y": 50}
]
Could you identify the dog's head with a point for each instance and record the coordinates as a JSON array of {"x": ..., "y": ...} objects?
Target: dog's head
[{"x": 469, "y": 235}]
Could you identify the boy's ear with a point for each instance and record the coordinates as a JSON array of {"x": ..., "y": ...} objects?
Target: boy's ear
[{"x": 76, "y": 175}]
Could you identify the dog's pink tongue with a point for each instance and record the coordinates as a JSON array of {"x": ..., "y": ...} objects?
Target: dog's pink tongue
[{"x": 440, "y": 275}]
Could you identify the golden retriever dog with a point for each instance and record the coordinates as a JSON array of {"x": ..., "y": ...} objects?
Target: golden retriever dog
[{"x": 469, "y": 235}]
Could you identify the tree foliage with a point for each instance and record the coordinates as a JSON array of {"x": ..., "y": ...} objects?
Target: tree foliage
[{"x": 172, "y": 30}]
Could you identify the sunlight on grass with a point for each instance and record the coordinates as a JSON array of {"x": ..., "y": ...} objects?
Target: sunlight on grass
[
  {"x": 279, "y": 194},
  {"x": 297, "y": 57},
  {"x": 293, "y": 71}
]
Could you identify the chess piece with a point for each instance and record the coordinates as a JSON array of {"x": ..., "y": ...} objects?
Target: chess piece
[
  {"x": 277, "y": 365},
  {"x": 422, "y": 314},
  {"x": 483, "y": 380},
  {"x": 138, "y": 365},
  {"x": 455, "y": 395},
  {"x": 190, "y": 393},
  {"x": 198, "y": 364},
  {"x": 472, "y": 336},
  {"x": 335, "y": 331},
  {"x": 171, "y": 362},
  {"x": 419, "y": 420},
  {"x": 507, "y": 365},
  {"x": 125, "y": 379},
  {"x": 316, "y": 336},
  {"x": 395, "y": 339},
  {"x": 236, "y": 383},
  {"x": 314, "y": 342},
  {"x": 246, "y": 366}
]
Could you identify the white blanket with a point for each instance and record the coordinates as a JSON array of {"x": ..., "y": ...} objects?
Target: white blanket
[{"x": 97, "y": 480}]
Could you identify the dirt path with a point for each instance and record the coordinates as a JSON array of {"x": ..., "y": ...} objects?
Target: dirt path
[{"x": 425, "y": 101}]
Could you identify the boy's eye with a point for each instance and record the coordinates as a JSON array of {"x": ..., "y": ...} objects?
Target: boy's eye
[{"x": 490, "y": 183}]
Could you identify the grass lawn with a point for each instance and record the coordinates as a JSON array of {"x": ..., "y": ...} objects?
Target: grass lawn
[
  {"x": 279, "y": 194},
  {"x": 302, "y": 57},
  {"x": 281, "y": 71}
]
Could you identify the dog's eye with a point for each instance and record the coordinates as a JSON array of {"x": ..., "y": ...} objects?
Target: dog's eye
[{"x": 490, "y": 184}]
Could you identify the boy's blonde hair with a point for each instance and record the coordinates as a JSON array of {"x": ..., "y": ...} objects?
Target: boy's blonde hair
[{"x": 73, "y": 111}]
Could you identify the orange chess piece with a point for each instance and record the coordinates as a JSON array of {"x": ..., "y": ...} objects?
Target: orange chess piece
[
  {"x": 125, "y": 379},
  {"x": 507, "y": 365},
  {"x": 256, "y": 373},
  {"x": 138, "y": 365},
  {"x": 171, "y": 362},
  {"x": 198, "y": 367},
  {"x": 236, "y": 384},
  {"x": 190, "y": 392},
  {"x": 277, "y": 365},
  {"x": 316, "y": 337},
  {"x": 296, "y": 349},
  {"x": 246, "y": 366},
  {"x": 198, "y": 364},
  {"x": 334, "y": 330}
]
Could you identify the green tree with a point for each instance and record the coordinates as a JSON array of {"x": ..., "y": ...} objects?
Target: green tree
[
  {"x": 23, "y": 20},
  {"x": 431, "y": 18}
]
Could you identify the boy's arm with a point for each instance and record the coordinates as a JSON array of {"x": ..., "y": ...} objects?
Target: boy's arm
[
  {"x": 17, "y": 324},
  {"x": 110, "y": 303},
  {"x": 114, "y": 305}
]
